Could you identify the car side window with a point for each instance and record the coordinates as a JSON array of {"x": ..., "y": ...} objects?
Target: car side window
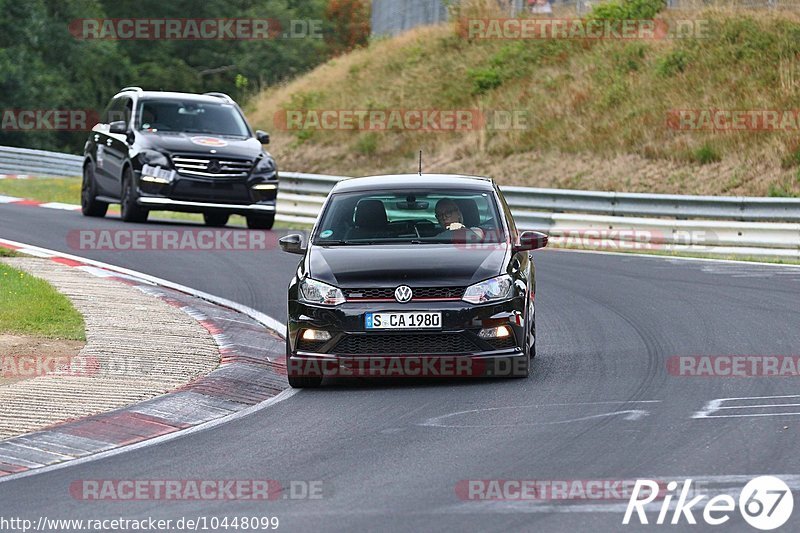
[
  {"x": 117, "y": 110},
  {"x": 512, "y": 227},
  {"x": 104, "y": 119}
]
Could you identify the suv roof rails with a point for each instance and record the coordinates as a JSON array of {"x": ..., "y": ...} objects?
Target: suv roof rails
[
  {"x": 220, "y": 95},
  {"x": 132, "y": 88}
]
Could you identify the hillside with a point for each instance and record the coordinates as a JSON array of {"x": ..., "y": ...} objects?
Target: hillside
[{"x": 600, "y": 114}]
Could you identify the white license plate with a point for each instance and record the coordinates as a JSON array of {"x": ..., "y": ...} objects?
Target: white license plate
[
  {"x": 158, "y": 172},
  {"x": 408, "y": 320}
]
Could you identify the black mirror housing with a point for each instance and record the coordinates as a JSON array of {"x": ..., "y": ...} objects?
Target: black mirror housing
[
  {"x": 531, "y": 240},
  {"x": 262, "y": 136},
  {"x": 292, "y": 244},
  {"x": 118, "y": 126}
]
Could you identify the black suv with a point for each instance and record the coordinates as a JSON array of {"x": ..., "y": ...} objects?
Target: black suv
[{"x": 170, "y": 151}]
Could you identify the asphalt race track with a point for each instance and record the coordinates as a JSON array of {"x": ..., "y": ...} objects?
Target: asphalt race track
[{"x": 600, "y": 404}]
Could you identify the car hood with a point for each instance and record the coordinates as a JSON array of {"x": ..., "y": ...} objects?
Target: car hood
[
  {"x": 201, "y": 143},
  {"x": 423, "y": 265}
]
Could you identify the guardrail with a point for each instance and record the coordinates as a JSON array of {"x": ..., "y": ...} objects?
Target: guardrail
[
  {"x": 529, "y": 199},
  {"x": 715, "y": 225},
  {"x": 39, "y": 162},
  {"x": 710, "y": 224}
]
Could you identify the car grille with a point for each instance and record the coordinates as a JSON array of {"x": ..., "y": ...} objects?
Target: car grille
[
  {"x": 309, "y": 346},
  {"x": 204, "y": 167},
  {"x": 423, "y": 293},
  {"x": 503, "y": 343},
  {"x": 413, "y": 344}
]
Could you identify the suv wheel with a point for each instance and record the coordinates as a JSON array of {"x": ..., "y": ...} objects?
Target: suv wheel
[
  {"x": 216, "y": 220},
  {"x": 131, "y": 211},
  {"x": 261, "y": 221},
  {"x": 90, "y": 207}
]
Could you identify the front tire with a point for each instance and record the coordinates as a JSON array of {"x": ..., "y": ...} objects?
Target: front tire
[
  {"x": 131, "y": 211},
  {"x": 216, "y": 220},
  {"x": 261, "y": 221},
  {"x": 90, "y": 206}
]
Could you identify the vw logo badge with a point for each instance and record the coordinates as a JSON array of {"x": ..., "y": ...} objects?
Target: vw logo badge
[{"x": 403, "y": 294}]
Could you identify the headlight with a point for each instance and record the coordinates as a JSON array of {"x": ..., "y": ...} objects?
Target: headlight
[
  {"x": 316, "y": 292},
  {"x": 491, "y": 290},
  {"x": 265, "y": 165},
  {"x": 154, "y": 159}
]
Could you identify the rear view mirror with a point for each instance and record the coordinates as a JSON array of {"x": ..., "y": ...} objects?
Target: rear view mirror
[
  {"x": 292, "y": 244},
  {"x": 262, "y": 136},
  {"x": 531, "y": 240},
  {"x": 118, "y": 126}
]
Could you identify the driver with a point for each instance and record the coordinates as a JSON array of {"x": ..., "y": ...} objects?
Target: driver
[{"x": 450, "y": 217}]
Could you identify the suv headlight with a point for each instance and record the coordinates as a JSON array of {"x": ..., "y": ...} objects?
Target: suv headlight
[
  {"x": 316, "y": 292},
  {"x": 491, "y": 290},
  {"x": 265, "y": 165},
  {"x": 154, "y": 159}
]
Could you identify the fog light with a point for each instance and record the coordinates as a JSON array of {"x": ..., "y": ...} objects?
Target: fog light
[
  {"x": 316, "y": 335},
  {"x": 499, "y": 332},
  {"x": 154, "y": 179}
]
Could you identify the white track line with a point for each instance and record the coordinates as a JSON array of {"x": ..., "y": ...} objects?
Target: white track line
[
  {"x": 285, "y": 395},
  {"x": 266, "y": 320}
]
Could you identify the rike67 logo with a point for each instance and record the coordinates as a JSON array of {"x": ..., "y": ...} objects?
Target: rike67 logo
[{"x": 765, "y": 503}]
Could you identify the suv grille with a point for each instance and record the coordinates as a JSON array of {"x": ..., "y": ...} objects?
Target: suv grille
[
  {"x": 420, "y": 293},
  {"x": 204, "y": 167},
  {"x": 406, "y": 344}
]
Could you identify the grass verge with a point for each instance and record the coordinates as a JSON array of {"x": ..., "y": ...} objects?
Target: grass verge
[{"x": 31, "y": 306}]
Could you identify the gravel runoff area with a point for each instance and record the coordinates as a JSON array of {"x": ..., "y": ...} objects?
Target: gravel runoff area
[{"x": 137, "y": 347}]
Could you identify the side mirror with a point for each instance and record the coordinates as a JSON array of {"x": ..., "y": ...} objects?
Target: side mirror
[
  {"x": 292, "y": 244},
  {"x": 262, "y": 136},
  {"x": 531, "y": 240},
  {"x": 118, "y": 126}
]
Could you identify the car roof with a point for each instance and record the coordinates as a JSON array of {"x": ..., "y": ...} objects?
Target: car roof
[
  {"x": 169, "y": 95},
  {"x": 405, "y": 181}
]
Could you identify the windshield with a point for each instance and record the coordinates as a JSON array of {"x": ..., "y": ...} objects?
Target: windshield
[
  {"x": 411, "y": 216},
  {"x": 191, "y": 117}
]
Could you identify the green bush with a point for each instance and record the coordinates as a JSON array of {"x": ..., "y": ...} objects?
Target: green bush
[
  {"x": 674, "y": 62},
  {"x": 484, "y": 79},
  {"x": 706, "y": 154},
  {"x": 367, "y": 144},
  {"x": 628, "y": 9}
]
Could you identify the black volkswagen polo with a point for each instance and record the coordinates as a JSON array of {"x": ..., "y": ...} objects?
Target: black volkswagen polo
[{"x": 412, "y": 275}]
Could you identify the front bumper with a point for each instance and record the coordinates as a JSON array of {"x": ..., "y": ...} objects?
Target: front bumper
[
  {"x": 168, "y": 204},
  {"x": 454, "y": 351},
  {"x": 238, "y": 196}
]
